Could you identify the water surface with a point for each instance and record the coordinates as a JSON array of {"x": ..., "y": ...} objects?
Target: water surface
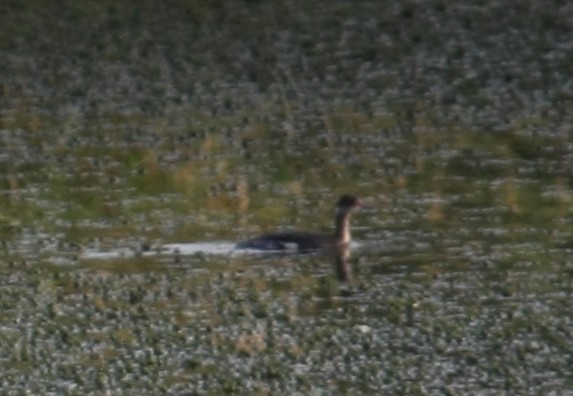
[{"x": 135, "y": 152}]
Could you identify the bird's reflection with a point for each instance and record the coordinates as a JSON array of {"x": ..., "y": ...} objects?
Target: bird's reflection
[{"x": 341, "y": 259}]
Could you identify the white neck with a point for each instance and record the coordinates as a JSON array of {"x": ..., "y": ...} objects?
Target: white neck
[{"x": 342, "y": 226}]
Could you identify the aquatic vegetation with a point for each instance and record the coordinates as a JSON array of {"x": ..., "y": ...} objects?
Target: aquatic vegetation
[{"x": 126, "y": 128}]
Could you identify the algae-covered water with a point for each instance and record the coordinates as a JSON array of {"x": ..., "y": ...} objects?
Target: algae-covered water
[{"x": 140, "y": 140}]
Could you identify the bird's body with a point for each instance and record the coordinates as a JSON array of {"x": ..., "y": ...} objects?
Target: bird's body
[{"x": 303, "y": 241}]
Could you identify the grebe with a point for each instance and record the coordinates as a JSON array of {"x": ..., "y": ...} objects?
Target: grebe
[{"x": 308, "y": 241}]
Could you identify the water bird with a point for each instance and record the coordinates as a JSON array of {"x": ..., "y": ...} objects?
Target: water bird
[{"x": 302, "y": 241}]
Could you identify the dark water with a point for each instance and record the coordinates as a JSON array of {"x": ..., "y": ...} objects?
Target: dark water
[{"x": 139, "y": 142}]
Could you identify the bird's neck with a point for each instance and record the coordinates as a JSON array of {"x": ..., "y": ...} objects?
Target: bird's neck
[{"x": 342, "y": 226}]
